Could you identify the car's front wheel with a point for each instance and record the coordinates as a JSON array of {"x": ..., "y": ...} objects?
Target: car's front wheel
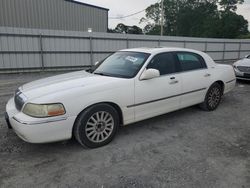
[
  {"x": 96, "y": 126},
  {"x": 212, "y": 98}
]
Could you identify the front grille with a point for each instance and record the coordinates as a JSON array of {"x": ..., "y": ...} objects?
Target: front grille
[
  {"x": 244, "y": 69},
  {"x": 19, "y": 100},
  {"x": 247, "y": 75}
]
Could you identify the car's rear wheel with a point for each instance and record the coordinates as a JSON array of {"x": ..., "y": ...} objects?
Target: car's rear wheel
[
  {"x": 213, "y": 97},
  {"x": 96, "y": 126}
]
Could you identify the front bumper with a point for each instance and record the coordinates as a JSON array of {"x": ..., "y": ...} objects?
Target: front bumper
[
  {"x": 241, "y": 75},
  {"x": 38, "y": 130},
  {"x": 7, "y": 120},
  {"x": 242, "y": 78}
]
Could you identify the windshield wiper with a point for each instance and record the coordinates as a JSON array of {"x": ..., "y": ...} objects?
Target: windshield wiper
[
  {"x": 111, "y": 75},
  {"x": 90, "y": 70},
  {"x": 102, "y": 74}
]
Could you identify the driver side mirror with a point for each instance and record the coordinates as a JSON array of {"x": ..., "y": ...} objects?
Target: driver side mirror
[
  {"x": 96, "y": 63},
  {"x": 247, "y": 56},
  {"x": 149, "y": 74}
]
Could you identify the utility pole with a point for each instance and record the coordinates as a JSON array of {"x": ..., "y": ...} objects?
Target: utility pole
[{"x": 162, "y": 16}]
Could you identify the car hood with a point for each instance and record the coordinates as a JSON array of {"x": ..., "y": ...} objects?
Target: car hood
[
  {"x": 243, "y": 62},
  {"x": 63, "y": 82}
]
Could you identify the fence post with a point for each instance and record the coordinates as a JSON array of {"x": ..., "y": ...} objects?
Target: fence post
[
  {"x": 127, "y": 43},
  {"x": 91, "y": 51},
  {"x": 184, "y": 43},
  {"x": 41, "y": 51},
  {"x": 223, "y": 55},
  {"x": 239, "y": 50},
  {"x": 206, "y": 47}
]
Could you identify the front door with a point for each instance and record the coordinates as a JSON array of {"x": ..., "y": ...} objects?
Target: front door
[{"x": 158, "y": 95}]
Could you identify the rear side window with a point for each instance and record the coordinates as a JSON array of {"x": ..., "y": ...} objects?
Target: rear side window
[
  {"x": 190, "y": 61},
  {"x": 164, "y": 62}
]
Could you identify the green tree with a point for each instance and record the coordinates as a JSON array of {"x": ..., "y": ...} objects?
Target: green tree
[
  {"x": 196, "y": 18},
  {"x": 151, "y": 29},
  {"x": 152, "y": 20},
  {"x": 111, "y": 30},
  {"x": 134, "y": 30},
  {"x": 232, "y": 25},
  {"x": 122, "y": 28},
  {"x": 230, "y": 5},
  {"x": 247, "y": 36}
]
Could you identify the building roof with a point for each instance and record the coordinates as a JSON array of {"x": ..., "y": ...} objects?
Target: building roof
[{"x": 81, "y": 3}]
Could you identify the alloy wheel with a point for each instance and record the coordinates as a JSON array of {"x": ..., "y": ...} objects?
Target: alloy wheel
[
  {"x": 99, "y": 126},
  {"x": 214, "y": 97}
]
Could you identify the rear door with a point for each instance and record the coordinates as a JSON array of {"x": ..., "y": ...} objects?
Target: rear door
[{"x": 195, "y": 78}]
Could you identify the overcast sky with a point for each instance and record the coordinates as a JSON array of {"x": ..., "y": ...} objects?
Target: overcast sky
[{"x": 126, "y": 7}]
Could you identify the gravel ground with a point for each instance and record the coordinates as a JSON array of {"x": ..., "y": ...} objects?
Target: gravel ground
[{"x": 186, "y": 148}]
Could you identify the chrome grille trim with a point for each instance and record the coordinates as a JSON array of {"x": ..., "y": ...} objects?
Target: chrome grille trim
[
  {"x": 19, "y": 99},
  {"x": 40, "y": 121},
  {"x": 244, "y": 69}
]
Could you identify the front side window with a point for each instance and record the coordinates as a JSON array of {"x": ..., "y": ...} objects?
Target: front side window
[
  {"x": 122, "y": 64},
  {"x": 164, "y": 62},
  {"x": 190, "y": 61}
]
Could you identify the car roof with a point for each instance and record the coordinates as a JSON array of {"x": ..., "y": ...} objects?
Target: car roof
[{"x": 157, "y": 50}]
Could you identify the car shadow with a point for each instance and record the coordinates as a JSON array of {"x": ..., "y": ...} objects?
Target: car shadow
[
  {"x": 246, "y": 82},
  {"x": 157, "y": 124}
]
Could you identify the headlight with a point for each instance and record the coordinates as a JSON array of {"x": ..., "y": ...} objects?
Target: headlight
[{"x": 43, "y": 110}]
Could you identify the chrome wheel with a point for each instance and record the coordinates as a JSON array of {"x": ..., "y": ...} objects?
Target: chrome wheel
[
  {"x": 214, "y": 97},
  {"x": 99, "y": 126}
]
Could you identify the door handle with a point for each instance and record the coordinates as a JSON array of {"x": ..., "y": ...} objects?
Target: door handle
[
  {"x": 207, "y": 75},
  {"x": 174, "y": 82}
]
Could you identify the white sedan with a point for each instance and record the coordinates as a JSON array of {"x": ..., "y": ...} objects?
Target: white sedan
[
  {"x": 242, "y": 68},
  {"x": 128, "y": 86}
]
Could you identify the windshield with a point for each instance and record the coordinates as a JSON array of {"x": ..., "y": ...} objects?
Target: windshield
[{"x": 122, "y": 64}]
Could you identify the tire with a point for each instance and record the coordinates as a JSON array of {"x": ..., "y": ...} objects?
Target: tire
[
  {"x": 96, "y": 126},
  {"x": 212, "y": 98}
]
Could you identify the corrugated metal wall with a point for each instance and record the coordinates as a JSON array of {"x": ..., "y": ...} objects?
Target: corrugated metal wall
[
  {"x": 34, "y": 49},
  {"x": 53, "y": 14}
]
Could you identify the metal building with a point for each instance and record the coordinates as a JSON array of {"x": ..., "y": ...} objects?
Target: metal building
[{"x": 53, "y": 14}]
